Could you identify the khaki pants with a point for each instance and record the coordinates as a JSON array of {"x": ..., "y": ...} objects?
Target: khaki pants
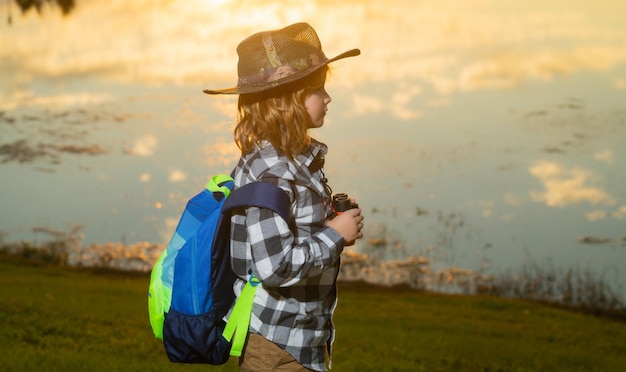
[{"x": 261, "y": 355}]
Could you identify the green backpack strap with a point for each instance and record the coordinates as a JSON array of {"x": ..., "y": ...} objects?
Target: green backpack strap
[
  {"x": 214, "y": 184},
  {"x": 239, "y": 319}
]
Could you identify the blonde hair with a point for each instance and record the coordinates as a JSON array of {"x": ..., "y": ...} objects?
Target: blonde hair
[{"x": 277, "y": 116}]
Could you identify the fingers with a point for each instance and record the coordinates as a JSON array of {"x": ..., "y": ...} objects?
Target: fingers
[
  {"x": 354, "y": 212},
  {"x": 349, "y": 224},
  {"x": 359, "y": 225}
]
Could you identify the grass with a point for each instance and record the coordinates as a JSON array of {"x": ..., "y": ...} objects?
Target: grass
[
  {"x": 58, "y": 319},
  {"x": 433, "y": 332}
]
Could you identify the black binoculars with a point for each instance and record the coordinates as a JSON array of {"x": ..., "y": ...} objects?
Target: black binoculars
[{"x": 341, "y": 203}]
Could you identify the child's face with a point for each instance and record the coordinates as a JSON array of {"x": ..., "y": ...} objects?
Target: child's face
[{"x": 316, "y": 103}]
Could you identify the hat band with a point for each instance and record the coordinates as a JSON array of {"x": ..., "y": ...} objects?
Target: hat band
[
  {"x": 282, "y": 71},
  {"x": 270, "y": 51}
]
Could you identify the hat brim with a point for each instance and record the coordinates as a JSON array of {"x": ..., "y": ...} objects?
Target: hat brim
[{"x": 267, "y": 86}]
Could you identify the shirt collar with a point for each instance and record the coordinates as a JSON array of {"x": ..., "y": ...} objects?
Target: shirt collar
[{"x": 315, "y": 152}]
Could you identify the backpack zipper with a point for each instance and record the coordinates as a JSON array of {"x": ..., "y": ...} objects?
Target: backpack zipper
[{"x": 194, "y": 277}]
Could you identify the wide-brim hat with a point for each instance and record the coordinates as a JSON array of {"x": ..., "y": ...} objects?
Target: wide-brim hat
[{"x": 269, "y": 59}]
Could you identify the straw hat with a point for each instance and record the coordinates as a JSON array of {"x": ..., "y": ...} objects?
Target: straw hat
[{"x": 271, "y": 58}]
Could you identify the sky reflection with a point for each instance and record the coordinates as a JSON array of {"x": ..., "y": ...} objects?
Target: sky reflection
[
  {"x": 510, "y": 117},
  {"x": 442, "y": 47}
]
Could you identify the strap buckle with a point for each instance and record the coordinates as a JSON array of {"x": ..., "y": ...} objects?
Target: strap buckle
[{"x": 253, "y": 280}]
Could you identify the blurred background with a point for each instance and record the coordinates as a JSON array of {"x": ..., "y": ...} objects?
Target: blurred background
[{"x": 478, "y": 135}]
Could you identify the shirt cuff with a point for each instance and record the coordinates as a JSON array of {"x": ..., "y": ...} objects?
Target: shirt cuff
[{"x": 332, "y": 238}]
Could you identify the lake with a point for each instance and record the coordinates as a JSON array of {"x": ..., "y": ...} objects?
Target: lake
[{"x": 480, "y": 134}]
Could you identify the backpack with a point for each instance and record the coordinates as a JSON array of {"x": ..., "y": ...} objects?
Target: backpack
[{"x": 191, "y": 284}]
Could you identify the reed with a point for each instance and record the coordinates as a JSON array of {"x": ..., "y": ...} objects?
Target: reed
[{"x": 576, "y": 288}]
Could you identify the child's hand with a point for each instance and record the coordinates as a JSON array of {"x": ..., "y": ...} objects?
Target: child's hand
[{"x": 348, "y": 224}]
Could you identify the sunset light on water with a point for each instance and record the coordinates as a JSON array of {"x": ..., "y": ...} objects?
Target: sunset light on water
[{"x": 475, "y": 134}]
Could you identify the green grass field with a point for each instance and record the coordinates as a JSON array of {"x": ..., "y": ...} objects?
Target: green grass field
[{"x": 56, "y": 319}]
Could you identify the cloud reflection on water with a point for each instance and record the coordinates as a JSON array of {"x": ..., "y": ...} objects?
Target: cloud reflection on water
[
  {"x": 443, "y": 46},
  {"x": 567, "y": 186},
  {"x": 472, "y": 106}
]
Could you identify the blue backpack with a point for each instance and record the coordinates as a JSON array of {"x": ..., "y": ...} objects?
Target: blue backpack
[{"x": 191, "y": 284}]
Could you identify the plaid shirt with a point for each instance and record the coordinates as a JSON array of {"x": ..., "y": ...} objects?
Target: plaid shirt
[{"x": 297, "y": 261}]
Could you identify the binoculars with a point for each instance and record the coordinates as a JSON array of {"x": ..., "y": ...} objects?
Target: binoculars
[{"x": 341, "y": 203}]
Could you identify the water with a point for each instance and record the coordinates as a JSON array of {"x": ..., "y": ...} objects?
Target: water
[{"x": 481, "y": 135}]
